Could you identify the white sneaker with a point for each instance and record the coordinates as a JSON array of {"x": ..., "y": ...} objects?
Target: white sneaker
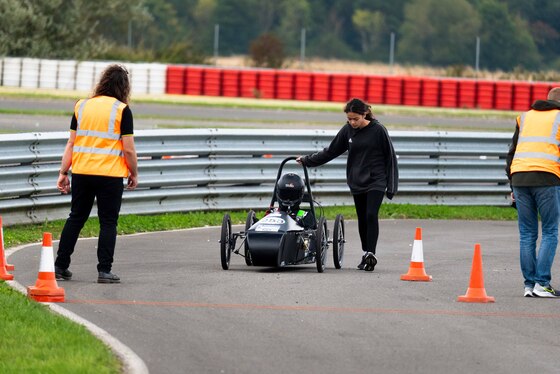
[
  {"x": 547, "y": 291},
  {"x": 528, "y": 292}
]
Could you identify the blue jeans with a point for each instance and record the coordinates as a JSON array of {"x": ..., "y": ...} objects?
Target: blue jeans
[{"x": 532, "y": 202}]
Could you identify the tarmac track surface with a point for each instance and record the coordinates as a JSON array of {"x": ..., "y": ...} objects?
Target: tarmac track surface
[
  {"x": 150, "y": 116},
  {"x": 181, "y": 313}
]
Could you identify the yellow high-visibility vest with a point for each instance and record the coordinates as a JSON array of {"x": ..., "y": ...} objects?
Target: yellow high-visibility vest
[
  {"x": 537, "y": 147},
  {"x": 98, "y": 148}
]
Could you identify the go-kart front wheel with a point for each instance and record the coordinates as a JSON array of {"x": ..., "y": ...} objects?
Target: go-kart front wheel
[
  {"x": 338, "y": 241},
  {"x": 226, "y": 241},
  {"x": 251, "y": 220},
  {"x": 321, "y": 244}
]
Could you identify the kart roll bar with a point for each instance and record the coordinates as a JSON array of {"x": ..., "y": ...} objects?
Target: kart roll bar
[{"x": 307, "y": 185}]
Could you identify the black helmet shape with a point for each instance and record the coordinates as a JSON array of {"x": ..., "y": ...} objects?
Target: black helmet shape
[{"x": 289, "y": 190}]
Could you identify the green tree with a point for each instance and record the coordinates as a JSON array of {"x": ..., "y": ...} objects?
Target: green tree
[
  {"x": 505, "y": 40},
  {"x": 331, "y": 33},
  {"x": 59, "y": 28},
  {"x": 544, "y": 27},
  {"x": 392, "y": 11},
  {"x": 517, "y": 34},
  {"x": 439, "y": 32},
  {"x": 547, "y": 39},
  {"x": 372, "y": 29},
  {"x": 202, "y": 25},
  {"x": 237, "y": 20},
  {"x": 162, "y": 28},
  {"x": 17, "y": 20},
  {"x": 268, "y": 11},
  {"x": 294, "y": 16}
]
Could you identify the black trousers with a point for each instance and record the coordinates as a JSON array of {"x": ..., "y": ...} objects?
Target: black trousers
[
  {"x": 85, "y": 188},
  {"x": 367, "y": 208}
]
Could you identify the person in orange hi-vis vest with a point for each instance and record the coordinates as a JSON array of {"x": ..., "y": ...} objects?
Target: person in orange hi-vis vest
[
  {"x": 100, "y": 152},
  {"x": 533, "y": 168}
]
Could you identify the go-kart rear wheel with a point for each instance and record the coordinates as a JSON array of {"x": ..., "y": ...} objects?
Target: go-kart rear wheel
[
  {"x": 321, "y": 244},
  {"x": 251, "y": 220},
  {"x": 338, "y": 241},
  {"x": 226, "y": 241}
]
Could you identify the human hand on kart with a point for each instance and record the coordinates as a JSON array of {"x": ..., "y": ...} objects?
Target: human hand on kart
[{"x": 299, "y": 160}]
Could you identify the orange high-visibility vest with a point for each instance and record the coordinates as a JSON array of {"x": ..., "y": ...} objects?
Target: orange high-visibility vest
[
  {"x": 98, "y": 148},
  {"x": 537, "y": 147}
]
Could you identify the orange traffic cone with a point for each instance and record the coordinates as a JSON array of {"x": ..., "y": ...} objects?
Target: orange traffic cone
[
  {"x": 4, "y": 275},
  {"x": 476, "y": 292},
  {"x": 8, "y": 266},
  {"x": 46, "y": 289},
  {"x": 416, "y": 270}
]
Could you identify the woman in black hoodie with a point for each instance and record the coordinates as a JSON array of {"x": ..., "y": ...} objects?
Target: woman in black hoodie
[{"x": 371, "y": 170}]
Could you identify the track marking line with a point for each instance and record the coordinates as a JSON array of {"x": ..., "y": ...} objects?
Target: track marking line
[{"x": 311, "y": 308}]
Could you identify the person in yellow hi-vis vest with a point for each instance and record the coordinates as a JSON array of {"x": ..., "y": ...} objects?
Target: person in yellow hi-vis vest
[
  {"x": 100, "y": 152},
  {"x": 533, "y": 167}
]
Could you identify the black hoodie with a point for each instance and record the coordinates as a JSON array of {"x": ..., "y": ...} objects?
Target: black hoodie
[{"x": 372, "y": 162}]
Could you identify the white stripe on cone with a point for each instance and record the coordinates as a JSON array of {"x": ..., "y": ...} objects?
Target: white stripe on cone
[
  {"x": 417, "y": 251},
  {"x": 47, "y": 260}
]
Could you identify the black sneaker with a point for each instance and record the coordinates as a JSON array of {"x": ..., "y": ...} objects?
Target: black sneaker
[
  {"x": 62, "y": 274},
  {"x": 362, "y": 264},
  {"x": 370, "y": 260},
  {"x": 108, "y": 278}
]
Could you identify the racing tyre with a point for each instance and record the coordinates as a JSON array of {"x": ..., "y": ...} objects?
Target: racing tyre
[
  {"x": 251, "y": 220},
  {"x": 226, "y": 241},
  {"x": 321, "y": 244},
  {"x": 338, "y": 241}
]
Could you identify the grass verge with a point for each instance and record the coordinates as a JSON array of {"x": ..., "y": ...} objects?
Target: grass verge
[
  {"x": 35, "y": 340},
  {"x": 36, "y": 112}
]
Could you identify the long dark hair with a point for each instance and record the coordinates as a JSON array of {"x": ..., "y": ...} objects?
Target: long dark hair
[
  {"x": 114, "y": 82},
  {"x": 360, "y": 107}
]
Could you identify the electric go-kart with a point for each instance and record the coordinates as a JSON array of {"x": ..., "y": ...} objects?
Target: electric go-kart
[{"x": 288, "y": 234}]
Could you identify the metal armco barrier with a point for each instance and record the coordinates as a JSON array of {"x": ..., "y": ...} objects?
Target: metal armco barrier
[{"x": 227, "y": 169}]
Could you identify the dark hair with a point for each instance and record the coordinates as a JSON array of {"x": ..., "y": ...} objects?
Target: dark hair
[
  {"x": 114, "y": 82},
  {"x": 360, "y": 107}
]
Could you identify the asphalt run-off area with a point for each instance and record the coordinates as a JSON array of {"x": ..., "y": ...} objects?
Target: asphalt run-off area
[{"x": 181, "y": 313}]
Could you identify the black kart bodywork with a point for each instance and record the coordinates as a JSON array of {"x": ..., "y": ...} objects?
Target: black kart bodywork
[{"x": 279, "y": 239}]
